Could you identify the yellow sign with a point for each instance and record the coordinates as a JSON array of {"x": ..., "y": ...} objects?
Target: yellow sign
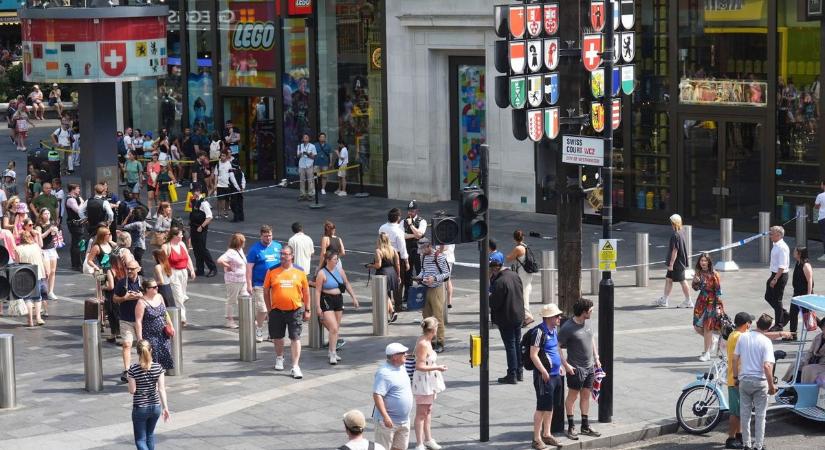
[
  {"x": 608, "y": 254},
  {"x": 140, "y": 49}
]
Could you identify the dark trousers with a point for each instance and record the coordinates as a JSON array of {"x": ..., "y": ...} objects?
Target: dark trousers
[
  {"x": 511, "y": 336},
  {"x": 793, "y": 318},
  {"x": 138, "y": 254},
  {"x": 202, "y": 255},
  {"x": 822, "y": 232},
  {"x": 112, "y": 312},
  {"x": 76, "y": 234},
  {"x": 413, "y": 269},
  {"x": 773, "y": 295},
  {"x": 236, "y": 205}
]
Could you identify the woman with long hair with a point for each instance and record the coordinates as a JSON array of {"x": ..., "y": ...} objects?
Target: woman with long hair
[
  {"x": 516, "y": 258},
  {"x": 387, "y": 263},
  {"x": 163, "y": 222},
  {"x": 28, "y": 252},
  {"x": 48, "y": 234},
  {"x": 182, "y": 269},
  {"x": 709, "y": 305},
  {"x": 427, "y": 383},
  {"x": 100, "y": 259},
  {"x": 803, "y": 283},
  {"x": 330, "y": 284},
  {"x": 330, "y": 241},
  {"x": 233, "y": 262},
  {"x": 150, "y": 319},
  {"x": 153, "y": 170},
  {"x": 10, "y": 213},
  {"x": 163, "y": 272},
  {"x": 148, "y": 385}
]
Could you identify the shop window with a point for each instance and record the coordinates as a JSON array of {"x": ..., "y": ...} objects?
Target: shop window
[
  {"x": 296, "y": 90},
  {"x": 798, "y": 149},
  {"x": 248, "y": 37},
  {"x": 170, "y": 89},
  {"x": 200, "y": 58},
  {"x": 351, "y": 81}
]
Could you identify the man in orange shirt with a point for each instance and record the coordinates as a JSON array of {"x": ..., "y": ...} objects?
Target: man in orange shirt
[{"x": 286, "y": 294}]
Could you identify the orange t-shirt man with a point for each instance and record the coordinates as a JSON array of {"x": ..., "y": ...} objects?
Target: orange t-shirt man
[{"x": 286, "y": 288}]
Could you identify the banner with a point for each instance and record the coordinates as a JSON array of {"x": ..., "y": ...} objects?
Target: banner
[{"x": 248, "y": 44}]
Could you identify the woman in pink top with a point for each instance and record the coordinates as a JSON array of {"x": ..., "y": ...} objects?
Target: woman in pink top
[{"x": 233, "y": 262}]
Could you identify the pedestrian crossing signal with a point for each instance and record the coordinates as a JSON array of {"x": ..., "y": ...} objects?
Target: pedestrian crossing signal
[{"x": 472, "y": 214}]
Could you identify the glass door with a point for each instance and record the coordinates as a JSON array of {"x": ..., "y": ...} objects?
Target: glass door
[
  {"x": 254, "y": 118},
  {"x": 700, "y": 145}
]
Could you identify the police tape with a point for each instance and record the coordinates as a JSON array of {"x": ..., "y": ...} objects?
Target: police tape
[
  {"x": 325, "y": 172},
  {"x": 47, "y": 146}
]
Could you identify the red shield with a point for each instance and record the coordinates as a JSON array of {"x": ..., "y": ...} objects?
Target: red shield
[
  {"x": 534, "y": 20},
  {"x": 597, "y": 15},
  {"x": 616, "y": 113},
  {"x": 113, "y": 58},
  {"x": 592, "y": 51},
  {"x": 551, "y": 18},
  {"x": 517, "y": 21}
]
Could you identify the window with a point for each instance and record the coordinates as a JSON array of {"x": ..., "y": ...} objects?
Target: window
[
  {"x": 248, "y": 38},
  {"x": 199, "y": 78}
]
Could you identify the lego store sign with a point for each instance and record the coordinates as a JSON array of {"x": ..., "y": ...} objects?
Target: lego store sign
[
  {"x": 247, "y": 43},
  {"x": 299, "y": 7}
]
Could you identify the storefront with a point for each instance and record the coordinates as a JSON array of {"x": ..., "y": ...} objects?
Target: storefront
[{"x": 277, "y": 70}]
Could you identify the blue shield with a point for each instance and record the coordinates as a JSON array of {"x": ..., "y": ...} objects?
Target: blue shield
[
  {"x": 551, "y": 88},
  {"x": 617, "y": 80}
]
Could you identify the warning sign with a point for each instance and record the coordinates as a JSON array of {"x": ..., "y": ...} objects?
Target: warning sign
[{"x": 608, "y": 254}]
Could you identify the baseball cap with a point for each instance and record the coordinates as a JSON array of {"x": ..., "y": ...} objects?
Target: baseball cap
[
  {"x": 148, "y": 134},
  {"x": 412, "y": 205},
  {"x": 742, "y": 318},
  {"x": 354, "y": 421},
  {"x": 423, "y": 241},
  {"x": 550, "y": 310},
  {"x": 496, "y": 259},
  {"x": 9, "y": 173},
  {"x": 395, "y": 348}
]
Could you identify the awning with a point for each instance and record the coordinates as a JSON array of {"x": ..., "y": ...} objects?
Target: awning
[{"x": 9, "y": 18}]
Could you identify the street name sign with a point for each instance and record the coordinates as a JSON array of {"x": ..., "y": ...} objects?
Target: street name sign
[{"x": 584, "y": 150}]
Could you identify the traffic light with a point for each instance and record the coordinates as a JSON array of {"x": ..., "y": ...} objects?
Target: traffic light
[
  {"x": 16, "y": 280},
  {"x": 472, "y": 209},
  {"x": 446, "y": 229}
]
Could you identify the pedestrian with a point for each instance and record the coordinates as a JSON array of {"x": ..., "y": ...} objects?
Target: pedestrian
[
  {"x": 199, "y": 220},
  {"x": 415, "y": 228},
  {"x": 342, "y": 161},
  {"x": 448, "y": 250},
  {"x": 99, "y": 258},
  {"x": 55, "y": 100},
  {"x": 134, "y": 173},
  {"x": 812, "y": 363},
  {"x": 38, "y": 107},
  {"x": 150, "y": 320},
  {"x": 393, "y": 397},
  {"x": 322, "y": 160},
  {"x": 163, "y": 274},
  {"x": 577, "y": 339},
  {"x": 127, "y": 294},
  {"x": 286, "y": 293},
  {"x": 46, "y": 199},
  {"x": 232, "y": 138},
  {"x": 676, "y": 260},
  {"x": 203, "y": 176},
  {"x": 223, "y": 171},
  {"x": 303, "y": 246},
  {"x": 427, "y": 383},
  {"x": 387, "y": 263},
  {"x": 136, "y": 226},
  {"x": 330, "y": 284},
  {"x": 354, "y": 424},
  {"x": 48, "y": 235},
  {"x": 819, "y": 204},
  {"x": 75, "y": 224},
  {"x": 237, "y": 186},
  {"x": 148, "y": 385},
  {"x": 775, "y": 285},
  {"x": 306, "y": 161},
  {"x": 546, "y": 357},
  {"x": 507, "y": 312},
  {"x": 434, "y": 272},
  {"x": 709, "y": 306},
  {"x": 803, "y": 284},
  {"x": 233, "y": 262},
  {"x": 395, "y": 233},
  {"x": 331, "y": 241},
  {"x": 182, "y": 269},
  {"x": 22, "y": 125},
  {"x": 28, "y": 252},
  {"x": 753, "y": 363},
  {"x": 153, "y": 171},
  {"x": 741, "y": 322},
  {"x": 97, "y": 210},
  {"x": 10, "y": 181},
  {"x": 163, "y": 223},
  {"x": 261, "y": 257},
  {"x": 516, "y": 258}
]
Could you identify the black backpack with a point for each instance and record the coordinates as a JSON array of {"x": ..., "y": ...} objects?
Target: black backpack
[
  {"x": 529, "y": 265},
  {"x": 527, "y": 341}
]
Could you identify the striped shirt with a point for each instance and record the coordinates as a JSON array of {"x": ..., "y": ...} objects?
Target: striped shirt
[
  {"x": 435, "y": 265},
  {"x": 146, "y": 393}
]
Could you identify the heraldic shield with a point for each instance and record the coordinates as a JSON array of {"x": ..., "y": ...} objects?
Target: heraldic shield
[
  {"x": 597, "y": 116},
  {"x": 551, "y": 122},
  {"x": 551, "y": 88},
  {"x": 517, "y": 21},
  {"x": 535, "y": 124}
]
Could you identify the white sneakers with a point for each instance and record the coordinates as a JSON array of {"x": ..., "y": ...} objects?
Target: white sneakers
[
  {"x": 334, "y": 358},
  {"x": 704, "y": 357},
  {"x": 296, "y": 372},
  {"x": 230, "y": 324},
  {"x": 259, "y": 337},
  {"x": 51, "y": 296},
  {"x": 687, "y": 303},
  {"x": 279, "y": 363},
  {"x": 432, "y": 445},
  {"x": 661, "y": 302},
  {"x": 323, "y": 192}
]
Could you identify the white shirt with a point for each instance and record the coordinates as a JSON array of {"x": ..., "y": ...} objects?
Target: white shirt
[
  {"x": 3, "y": 200},
  {"x": 754, "y": 350},
  {"x": 206, "y": 208},
  {"x": 396, "y": 235},
  {"x": 223, "y": 173},
  {"x": 343, "y": 157},
  {"x": 163, "y": 158},
  {"x": 303, "y": 247},
  {"x": 305, "y": 162},
  {"x": 107, "y": 208},
  {"x": 63, "y": 137},
  {"x": 363, "y": 444},
  {"x": 780, "y": 256},
  {"x": 61, "y": 206},
  {"x": 127, "y": 141},
  {"x": 820, "y": 203}
]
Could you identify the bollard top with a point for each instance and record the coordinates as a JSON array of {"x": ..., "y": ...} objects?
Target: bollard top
[
  {"x": 90, "y": 322},
  {"x": 6, "y": 336}
]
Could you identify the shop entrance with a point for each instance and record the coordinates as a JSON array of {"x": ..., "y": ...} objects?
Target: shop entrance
[
  {"x": 254, "y": 117},
  {"x": 722, "y": 171}
]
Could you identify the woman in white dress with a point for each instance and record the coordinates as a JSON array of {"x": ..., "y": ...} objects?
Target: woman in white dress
[{"x": 427, "y": 382}]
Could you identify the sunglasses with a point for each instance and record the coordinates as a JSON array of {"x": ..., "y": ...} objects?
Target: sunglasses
[{"x": 152, "y": 287}]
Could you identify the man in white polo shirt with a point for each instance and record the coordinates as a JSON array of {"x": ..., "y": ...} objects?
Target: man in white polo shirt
[
  {"x": 775, "y": 286},
  {"x": 753, "y": 363}
]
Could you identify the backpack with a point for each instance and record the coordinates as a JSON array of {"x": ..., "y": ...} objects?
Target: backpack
[
  {"x": 529, "y": 265},
  {"x": 527, "y": 341}
]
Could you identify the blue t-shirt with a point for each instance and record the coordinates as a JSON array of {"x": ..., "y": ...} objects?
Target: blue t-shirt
[
  {"x": 393, "y": 384},
  {"x": 264, "y": 258},
  {"x": 322, "y": 158},
  {"x": 551, "y": 346}
]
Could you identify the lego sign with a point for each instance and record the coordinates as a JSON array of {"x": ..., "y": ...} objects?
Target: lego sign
[
  {"x": 254, "y": 36},
  {"x": 299, "y": 7}
]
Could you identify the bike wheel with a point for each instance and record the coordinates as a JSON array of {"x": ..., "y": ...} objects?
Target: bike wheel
[{"x": 698, "y": 410}]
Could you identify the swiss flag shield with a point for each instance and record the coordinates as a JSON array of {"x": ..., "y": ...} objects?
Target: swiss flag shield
[{"x": 113, "y": 58}]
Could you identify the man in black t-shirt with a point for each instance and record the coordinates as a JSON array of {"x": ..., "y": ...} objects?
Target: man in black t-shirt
[
  {"x": 189, "y": 151},
  {"x": 677, "y": 262}
]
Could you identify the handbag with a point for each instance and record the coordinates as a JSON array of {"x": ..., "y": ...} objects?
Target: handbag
[
  {"x": 173, "y": 192},
  {"x": 17, "y": 307},
  {"x": 810, "y": 320},
  {"x": 168, "y": 329},
  {"x": 58, "y": 240}
]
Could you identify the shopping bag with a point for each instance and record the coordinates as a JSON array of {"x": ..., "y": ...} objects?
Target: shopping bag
[
  {"x": 188, "y": 206},
  {"x": 173, "y": 192},
  {"x": 416, "y": 295},
  {"x": 810, "y": 320}
]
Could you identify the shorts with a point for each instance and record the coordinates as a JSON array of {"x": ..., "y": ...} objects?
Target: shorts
[
  {"x": 342, "y": 173},
  {"x": 733, "y": 400},
  {"x": 222, "y": 191},
  {"x": 677, "y": 275},
  {"x": 279, "y": 321},
  {"x": 546, "y": 393},
  {"x": 36, "y": 293},
  {"x": 50, "y": 254},
  {"x": 258, "y": 298},
  {"x": 396, "y": 437},
  {"x": 424, "y": 399},
  {"x": 332, "y": 302},
  {"x": 582, "y": 379},
  {"x": 133, "y": 187},
  {"x": 127, "y": 332},
  {"x": 234, "y": 290}
]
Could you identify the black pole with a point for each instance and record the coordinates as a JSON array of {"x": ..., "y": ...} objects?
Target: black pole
[
  {"x": 361, "y": 181},
  {"x": 316, "y": 180},
  {"x": 484, "y": 308},
  {"x": 606, "y": 286}
]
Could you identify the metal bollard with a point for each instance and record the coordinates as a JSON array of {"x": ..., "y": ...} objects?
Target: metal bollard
[
  {"x": 177, "y": 343},
  {"x": 726, "y": 263},
  {"x": 316, "y": 328},
  {"x": 595, "y": 274},
  {"x": 246, "y": 332},
  {"x": 548, "y": 276},
  {"x": 379, "y": 305},
  {"x": 801, "y": 226},
  {"x": 8, "y": 379},
  {"x": 764, "y": 241},
  {"x": 92, "y": 355},
  {"x": 642, "y": 260},
  {"x": 687, "y": 232}
]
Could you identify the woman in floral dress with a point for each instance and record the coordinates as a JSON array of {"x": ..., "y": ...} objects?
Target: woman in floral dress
[
  {"x": 150, "y": 318},
  {"x": 709, "y": 307}
]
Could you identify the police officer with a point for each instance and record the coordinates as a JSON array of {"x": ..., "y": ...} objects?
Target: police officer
[
  {"x": 199, "y": 220},
  {"x": 414, "y": 229},
  {"x": 237, "y": 184}
]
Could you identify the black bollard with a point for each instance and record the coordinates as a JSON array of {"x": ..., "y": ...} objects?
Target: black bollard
[
  {"x": 317, "y": 181},
  {"x": 361, "y": 182}
]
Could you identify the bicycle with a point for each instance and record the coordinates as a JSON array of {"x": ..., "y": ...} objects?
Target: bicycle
[{"x": 700, "y": 407}]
